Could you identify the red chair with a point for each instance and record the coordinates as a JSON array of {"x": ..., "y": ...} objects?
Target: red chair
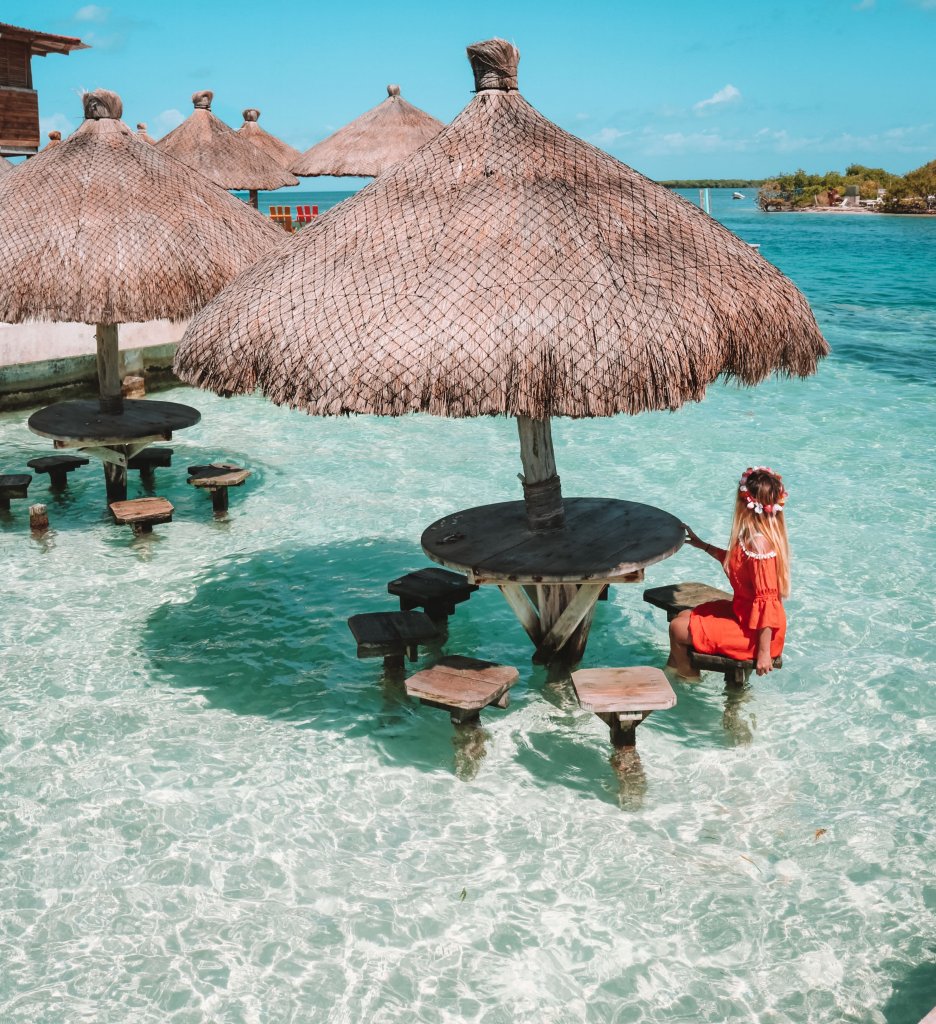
[{"x": 306, "y": 214}]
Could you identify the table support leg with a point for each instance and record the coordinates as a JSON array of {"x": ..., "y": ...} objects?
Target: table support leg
[
  {"x": 219, "y": 499},
  {"x": 565, "y": 617},
  {"x": 115, "y": 481}
]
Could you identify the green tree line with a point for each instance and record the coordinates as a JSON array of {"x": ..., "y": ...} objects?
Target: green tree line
[{"x": 901, "y": 193}]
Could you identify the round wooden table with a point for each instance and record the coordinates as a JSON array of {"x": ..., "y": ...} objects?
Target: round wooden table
[
  {"x": 553, "y": 579},
  {"x": 112, "y": 437}
]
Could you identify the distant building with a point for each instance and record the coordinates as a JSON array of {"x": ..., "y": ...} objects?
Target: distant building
[{"x": 19, "y": 101}]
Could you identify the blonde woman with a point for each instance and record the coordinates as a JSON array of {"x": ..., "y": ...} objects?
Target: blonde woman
[{"x": 752, "y": 626}]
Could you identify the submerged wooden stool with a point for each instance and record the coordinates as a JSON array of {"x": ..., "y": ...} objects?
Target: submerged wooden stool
[
  {"x": 142, "y": 513},
  {"x": 736, "y": 672},
  {"x": 463, "y": 686},
  {"x": 436, "y": 591},
  {"x": 679, "y": 597},
  {"x": 623, "y": 697},
  {"x": 391, "y": 635},
  {"x": 58, "y": 467},
  {"x": 147, "y": 461},
  {"x": 217, "y": 478},
  {"x": 13, "y": 485}
]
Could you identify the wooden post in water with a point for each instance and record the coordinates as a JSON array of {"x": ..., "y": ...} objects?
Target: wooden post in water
[
  {"x": 542, "y": 491},
  {"x": 38, "y": 518},
  {"x": 108, "y": 369},
  {"x": 542, "y": 495}
]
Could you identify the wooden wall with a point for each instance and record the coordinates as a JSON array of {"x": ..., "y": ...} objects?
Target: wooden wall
[
  {"x": 15, "y": 67},
  {"x": 19, "y": 120}
]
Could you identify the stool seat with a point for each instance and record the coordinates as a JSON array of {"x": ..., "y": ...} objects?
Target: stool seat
[
  {"x": 148, "y": 459},
  {"x": 623, "y": 697},
  {"x": 13, "y": 485},
  {"x": 217, "y": 474},
  {"x": 217, "y": 478},
  {"x": 435, "y": 590},
  {"x": 391, "y": 635},
  {"x": 736, "y": 671},
  {"x": 674, "y": 598},
  {"x": 463, "y": 686},
  {"x": 50, "y": 463},
  {"x": 142, "y": 513}
]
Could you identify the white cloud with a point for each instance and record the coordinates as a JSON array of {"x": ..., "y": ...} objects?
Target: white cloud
[
  {"x": 168, "y": 120},
  {"x": 728, "y": 94},
  {"x": 606, "y": 136},
  {"x": 55, "y": 123},
  {"x": 583, "y": 117},
  {"x": 863, "y": 5},
  {"x": 926, "y": 5},
  {"x": 91, "y": 12}
]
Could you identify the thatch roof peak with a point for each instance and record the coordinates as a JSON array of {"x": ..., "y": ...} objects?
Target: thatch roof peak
[
  {"x": 102, "y": 104},
  {"x": 222, "y": 155},
  {"x": 136, "y": 236},
  {"x": 5, "y": 165},
  {"x": 505, "y": 267},
  {"x": 494, "y": 63},
  {"x": 55, "y": 137},
  {"x": 272, "y": 147},
  {"x": 368, "y": 145}
]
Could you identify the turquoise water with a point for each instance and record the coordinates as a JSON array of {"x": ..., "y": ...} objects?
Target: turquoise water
[{"x": 212, "y": 811}]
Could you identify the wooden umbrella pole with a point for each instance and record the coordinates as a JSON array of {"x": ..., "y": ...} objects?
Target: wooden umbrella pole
[
  {"x": 108, "y": 369},
  {"x": 542, "y": 492},
  {"x": 254, "y": 198}
]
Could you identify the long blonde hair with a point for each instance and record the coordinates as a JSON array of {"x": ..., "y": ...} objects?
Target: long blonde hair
[{"x": 766, "y": 489}]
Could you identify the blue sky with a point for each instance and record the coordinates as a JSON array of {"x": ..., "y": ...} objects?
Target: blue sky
[{"x": 674, "y": 88}]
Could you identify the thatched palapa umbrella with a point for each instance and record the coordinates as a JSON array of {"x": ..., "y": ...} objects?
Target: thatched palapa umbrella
[
  {"x": 144, "y": 134},
  {"x": 5, "y": 165},
  {"x": 505, "y": 268},
  {"x": 55, "y": 137},
  {"x": 284, "y": 154},
  {"x": 379, "y": 138},
  {"x": 206, "y": 143},
  {"x": 136, "y": 236}
]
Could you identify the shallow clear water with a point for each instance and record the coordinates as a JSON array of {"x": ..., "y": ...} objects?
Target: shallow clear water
[{"x": 212, "y": 811}]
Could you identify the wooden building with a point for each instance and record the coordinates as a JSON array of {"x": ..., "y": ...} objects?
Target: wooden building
[{"x": 19, "y": 101}]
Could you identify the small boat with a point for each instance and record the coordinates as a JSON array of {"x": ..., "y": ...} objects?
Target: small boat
[{"x": 737, "y": 195}]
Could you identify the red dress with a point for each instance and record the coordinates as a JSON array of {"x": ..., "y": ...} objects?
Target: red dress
[{"x": 729, "y": 628}]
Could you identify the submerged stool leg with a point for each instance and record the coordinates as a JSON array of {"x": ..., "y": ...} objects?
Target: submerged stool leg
[{"x": 219, "y": 499}]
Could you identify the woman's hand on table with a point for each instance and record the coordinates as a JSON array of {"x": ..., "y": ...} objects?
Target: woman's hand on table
[{"x": 692, "y": 538}]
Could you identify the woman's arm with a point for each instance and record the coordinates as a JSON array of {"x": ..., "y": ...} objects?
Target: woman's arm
[
  {"x": 693, "y": 540},
  {"x": 764, "y": 663}
]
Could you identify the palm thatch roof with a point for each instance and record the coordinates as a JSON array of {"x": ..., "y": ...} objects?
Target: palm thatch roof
[
  {"x": 284, "y": 154},
  {"x": 55, "y": 137},
  {"x": 5, "y": 165},
  {"x": 206, "y": 143},
  {"x": 506, "y": 267},
  {"x": 143, "y": 134},
  {"x": 135, "y": 236},
  {"x": 378, "y": 139}
]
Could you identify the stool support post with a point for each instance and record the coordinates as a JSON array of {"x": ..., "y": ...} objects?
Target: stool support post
[{"x": 219, "y": 499}]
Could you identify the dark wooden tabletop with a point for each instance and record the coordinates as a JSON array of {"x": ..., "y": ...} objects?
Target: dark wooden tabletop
[
  {"x": 82, "y": 421},
  {"x": 603, "y": 538}
]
